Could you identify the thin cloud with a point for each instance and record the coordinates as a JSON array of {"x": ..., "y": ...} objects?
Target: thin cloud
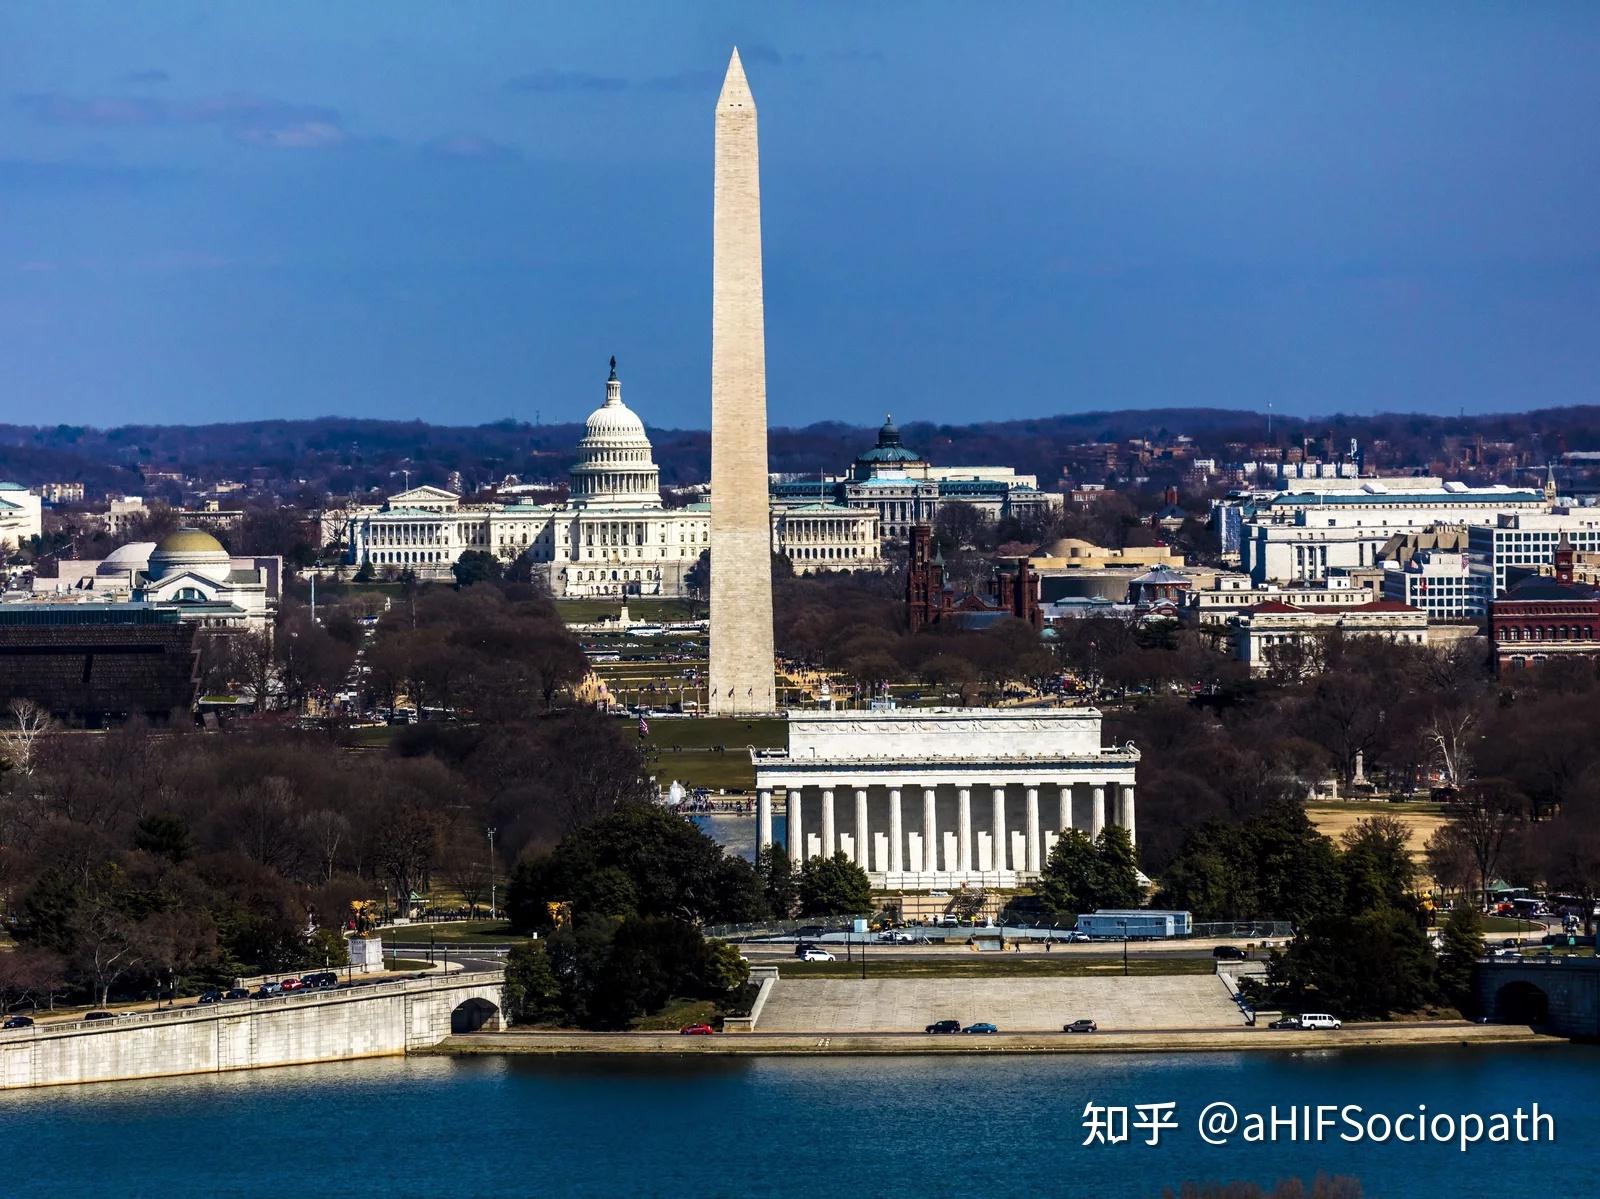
[
  {"x": 154, "y": 75},
  {"x": 548, "y": 79},
  {"x": 254, "y": 120},
  {"x": 469, "y": 146}
]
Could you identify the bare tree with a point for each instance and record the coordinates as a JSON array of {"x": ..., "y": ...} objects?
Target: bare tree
[
  {"x": 326, "y": 830},
  {"x": 19, "y": 739},
  {"x": 464, "y": 862},
  {"x": 1487, "y": 814}
]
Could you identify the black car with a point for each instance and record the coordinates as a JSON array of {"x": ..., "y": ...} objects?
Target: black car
[
  {"x": 1228, "y": 953},
  {"x": 100, "y": 1016},
  {"x": 18, "y": 1022},
  {"x": 1286, "y": 1022},
  {"x": 944, "y": 1026},
  {"x": 1080, "y": 1026},
  {"x": 235, "y": 993},
  {"x": 211, "y": 996}
]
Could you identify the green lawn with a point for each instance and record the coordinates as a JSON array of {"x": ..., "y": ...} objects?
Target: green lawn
[
  {"x": 996, "y": 965},
  {"x": 454, "y": 932},
  {"x": 677, "y": 1013},
  {"x": 1511, "y": 925},
  {"x": 588, "y": 611},
  {"x": 696, "y": 763}
]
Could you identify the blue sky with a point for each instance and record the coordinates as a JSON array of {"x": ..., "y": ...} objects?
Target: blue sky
[{"x": 457, "y": 211}]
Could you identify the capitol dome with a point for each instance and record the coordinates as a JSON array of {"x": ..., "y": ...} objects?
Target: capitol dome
[
  {"x": 189, "y": 549},
  {"x": 617, "y": 469}
]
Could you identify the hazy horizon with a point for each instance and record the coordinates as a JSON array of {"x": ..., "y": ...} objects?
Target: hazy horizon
[{"x": 274, "y": 212}]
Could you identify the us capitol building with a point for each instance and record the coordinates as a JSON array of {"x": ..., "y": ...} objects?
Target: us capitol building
[{"x": 613, "y": 536}]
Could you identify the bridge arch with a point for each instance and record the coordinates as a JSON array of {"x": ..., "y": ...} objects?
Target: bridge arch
[
  {"x": 475, "y": 1015},
  {"x": 1521, "y": 1002}
]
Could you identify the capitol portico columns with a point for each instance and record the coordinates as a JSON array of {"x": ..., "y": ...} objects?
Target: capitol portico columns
[
  {"x": 1127, "y": 812},
  {"x": 763, "y": 818},
  {"x": 930, "y": 832},
  {"x": 1097, "y": 811},
  {"x": 1064, "y": 808},
  {"x": 827, "y": 822}
]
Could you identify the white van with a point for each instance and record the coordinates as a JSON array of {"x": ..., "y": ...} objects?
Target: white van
[{"x": 1319, "y": 1020}]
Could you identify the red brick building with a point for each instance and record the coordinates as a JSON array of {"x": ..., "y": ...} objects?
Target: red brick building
[
  {"x": 930, "y": 601},
  {"x": 1545, "y": 617}
]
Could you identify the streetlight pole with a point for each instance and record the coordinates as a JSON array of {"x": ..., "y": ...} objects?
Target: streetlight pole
[
  {"x": 1124, "y": 925},
  {"x": 491, "y": 833}
]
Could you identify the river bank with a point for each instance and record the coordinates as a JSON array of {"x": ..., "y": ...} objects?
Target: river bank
[{"x": 793, "y": 1044}]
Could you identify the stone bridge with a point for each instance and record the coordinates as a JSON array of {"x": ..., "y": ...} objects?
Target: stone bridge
[
  {"x": 1558, "y": 994},
  {"x": 374, "y": 1020}
]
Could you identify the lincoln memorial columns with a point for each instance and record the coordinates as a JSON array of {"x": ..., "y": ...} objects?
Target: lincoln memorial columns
[
  {"x": 964, "y": 829},
  {"x": 999, "y": 851},
  {"x": 796, "y": 835},
  {"x": 896, "y": 834}
]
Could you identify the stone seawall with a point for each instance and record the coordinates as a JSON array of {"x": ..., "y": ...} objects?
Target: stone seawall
[
  {"x": 383, "y": 1019},
  {"x": 1155, "y": 1041}
]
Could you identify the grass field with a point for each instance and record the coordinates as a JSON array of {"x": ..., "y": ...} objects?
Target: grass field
[
  {"x": 996, "y": 965},
  {"x": 454, "y": 932},
  {"x": 696, "y": 763},
  {"x": 588, "y": 611},
  {"x": 1421, "y": 820}
]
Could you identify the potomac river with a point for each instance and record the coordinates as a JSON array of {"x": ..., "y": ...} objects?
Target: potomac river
[{"x": 917, "y": 1127}]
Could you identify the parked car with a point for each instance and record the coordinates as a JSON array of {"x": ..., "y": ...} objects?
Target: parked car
[
  {"x": 268, "y": 989},
  {"x": 1284, "y": 1022},
  {"x": 944, "y": 1026},
  {"x": 211, "y": 996},
  {"x": 1228, "y": 953},
  {"x": 982, "y": 1026},
  {"x": 233, "y": 993},
  {"x": 1073, "y": 936},
  {"x": 99, "y": 1015},
  {"x": 696, "y": 1030},
  {"x": 817, "y": 955},
  {"x": 18, "y": 1022},
  {"x": 292, "y": 984},
  {"x": 1319, "y": 1020},
  {"x": 1080, "y": 1026}
]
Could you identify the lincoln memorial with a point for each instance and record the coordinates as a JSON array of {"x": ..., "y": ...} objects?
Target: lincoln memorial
[{"x": 934, "y": 797}]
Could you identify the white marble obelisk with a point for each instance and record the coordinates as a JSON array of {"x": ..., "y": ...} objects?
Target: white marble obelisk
[{"x": 741, "y": 533}]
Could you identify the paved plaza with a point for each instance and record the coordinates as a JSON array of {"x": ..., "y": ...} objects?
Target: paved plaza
[{"x": 1014, "y": 1004}]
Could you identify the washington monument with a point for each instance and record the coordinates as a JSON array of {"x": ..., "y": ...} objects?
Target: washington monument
[{"x": 741, "y": 530}]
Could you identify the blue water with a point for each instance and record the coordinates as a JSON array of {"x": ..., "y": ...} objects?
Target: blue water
[{"x": 698, "y": 1129}]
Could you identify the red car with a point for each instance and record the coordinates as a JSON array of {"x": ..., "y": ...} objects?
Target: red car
[
  {"x": 292, "y": 984},
  {"x": 696, "y": 1030}
]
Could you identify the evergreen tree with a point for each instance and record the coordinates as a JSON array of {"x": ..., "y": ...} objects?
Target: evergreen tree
[
  {"x": 834, "y": 886},
  {"x": 1463, "y": 945},
  {"x": 1116, "y": 871},
  {"x": 1067, "y": 884},
  {"x": 777, "y": 881}
]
